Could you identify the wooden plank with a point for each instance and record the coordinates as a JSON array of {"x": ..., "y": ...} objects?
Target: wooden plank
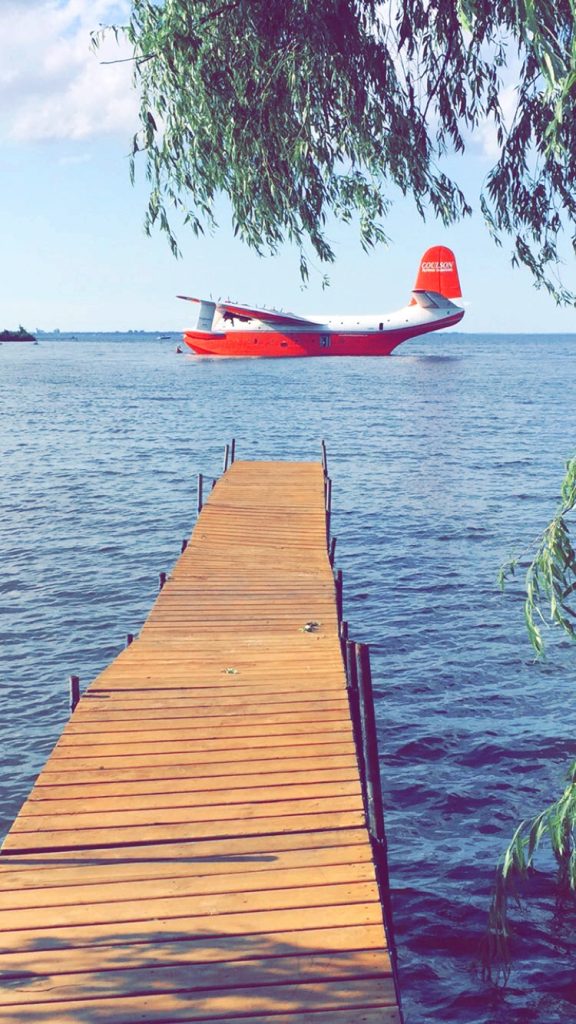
[
  {"x": 154, "y": 738},
  {"x": 92, "y": 892},
  {"x": 219, "y": 813},
  {"x": 200, "y": 949},
  {"x": 210, "y": 1005},
  {"x": 93, "y": 838},
  {"x": 116, "y": 707},
  {"x": 180, "y": 683},
  {"x": 124, "y": 721},
  {"x": 146, "y": 912},
  {"x": 202, "y": 926},
  {"x": 185, "y": 797},
  {"x": 303, "y": 653},
  {"x": 210, "y": 752},
  {"x": 191, "y": 783},
  {"x": 199, "y": 767},
  {"x": 341, "y": 967},
  {"x": 358, "y": 1015},
  {"x": 262, "y": 849},
  {"x": 27, "y": 886}
]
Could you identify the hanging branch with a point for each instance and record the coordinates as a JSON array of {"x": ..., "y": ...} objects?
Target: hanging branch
[
  {"x": 550, "y": 586},
  {"x": 551, "y": 575},
  {"x": 557, "y": 824},
  {"x": 303, "y": 112}
]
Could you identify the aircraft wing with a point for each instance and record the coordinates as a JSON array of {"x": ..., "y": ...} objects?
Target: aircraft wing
[{"x": 233, "y": 311}]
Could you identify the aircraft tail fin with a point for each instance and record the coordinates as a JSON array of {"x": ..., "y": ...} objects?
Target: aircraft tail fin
[{"x": 438, "y": 273}]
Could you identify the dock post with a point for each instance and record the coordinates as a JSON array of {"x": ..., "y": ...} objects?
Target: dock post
[
  {"x": 354, "y": 702},
  {"x": 226, "y": 457},
  {"x": 324, "y": 458},
  {"x": 200, "y": 489},
  {"x": 129, "y": 639},
  {"x": 332, "y": 551},
  {"x": 74, "y": 692},
  {"x": 184, "y": 545},
  {"x": 161, "y": 580},
  {"x": 328, "y": 505},
  {"x": 369, "y": 742},
  {"x": 343, "y": 640},
  {"x": 375, "y": 803},
  {"x": 232, "y": 450},
  {"x": 339, "y": 582}
]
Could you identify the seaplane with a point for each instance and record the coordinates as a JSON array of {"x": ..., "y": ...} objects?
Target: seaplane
[{"x": 229, "y": 329}]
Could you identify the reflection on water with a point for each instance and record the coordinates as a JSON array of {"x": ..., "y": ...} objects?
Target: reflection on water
[{"x": 446, "y": 458}]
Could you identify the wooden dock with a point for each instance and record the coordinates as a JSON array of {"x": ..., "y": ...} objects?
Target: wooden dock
[{"x": 196, "y": 847}]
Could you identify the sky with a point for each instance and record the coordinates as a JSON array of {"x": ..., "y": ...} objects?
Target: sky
[{"x": 74, "y": 255}]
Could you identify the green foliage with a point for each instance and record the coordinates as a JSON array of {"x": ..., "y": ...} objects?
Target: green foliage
[
  {"x": 551, "y": 575},
  {"x": 557, "y": 824},
  {"x": 298, "y": 111},
  {"x": 550, "y": 586}
]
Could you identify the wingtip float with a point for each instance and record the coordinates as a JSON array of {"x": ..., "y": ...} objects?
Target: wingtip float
[{"x": 230, "y": 329}]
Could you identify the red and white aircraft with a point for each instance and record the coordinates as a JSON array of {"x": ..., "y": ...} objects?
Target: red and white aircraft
[{"x": 227, "y": 329}]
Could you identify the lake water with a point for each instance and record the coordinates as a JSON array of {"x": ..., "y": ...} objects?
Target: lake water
[{"x": 446, "y": 458}]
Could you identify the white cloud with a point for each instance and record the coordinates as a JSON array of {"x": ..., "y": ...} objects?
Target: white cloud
[{"x": 52, "y": 85}]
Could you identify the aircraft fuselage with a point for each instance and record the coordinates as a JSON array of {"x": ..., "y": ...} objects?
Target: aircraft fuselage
[{"x": 337, "y": 336}]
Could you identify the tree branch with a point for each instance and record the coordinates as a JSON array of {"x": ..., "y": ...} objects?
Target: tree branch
[{"x": 125, "y": 60}]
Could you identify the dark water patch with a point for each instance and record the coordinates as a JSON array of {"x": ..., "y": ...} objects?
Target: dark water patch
[{"x": 559, "y": 750}]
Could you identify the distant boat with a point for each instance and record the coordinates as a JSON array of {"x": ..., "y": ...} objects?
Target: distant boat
[
  {"x": 164, "y": 337},
  {"x": 20, "y": 335}
]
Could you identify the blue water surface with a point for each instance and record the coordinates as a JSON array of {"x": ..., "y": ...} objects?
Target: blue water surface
[{"x": 446, "y": 458}]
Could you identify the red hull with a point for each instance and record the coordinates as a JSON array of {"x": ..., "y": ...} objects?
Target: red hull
[{"x": 285, "y": 343}]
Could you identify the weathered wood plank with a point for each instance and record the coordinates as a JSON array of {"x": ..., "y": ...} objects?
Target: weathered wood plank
[
  {"x": 32, "y": 886},
  {"x": 160, "y": 888},
  {"x": 199, "y": 767},
  {"x": 92, "y": 838},
  {"x": 201, "y": 926},
  {"x": 210, "y": 718},
  {"x": 341, "y": 968},
  {"x": 216, "y": 753},
  {"x": 199, "y": 949},
  {"x": 190, "y": 781},
  {"x": 222, "y": 812},
  {"x": 260, "y": 849},
  {"x": 96, "y": 801},
  {"x": 184, "y": 1006},
  {"x": 197, "y": 734},
  {"x": 146, "y": 912},
  {"x": 115, "y": 710}
]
